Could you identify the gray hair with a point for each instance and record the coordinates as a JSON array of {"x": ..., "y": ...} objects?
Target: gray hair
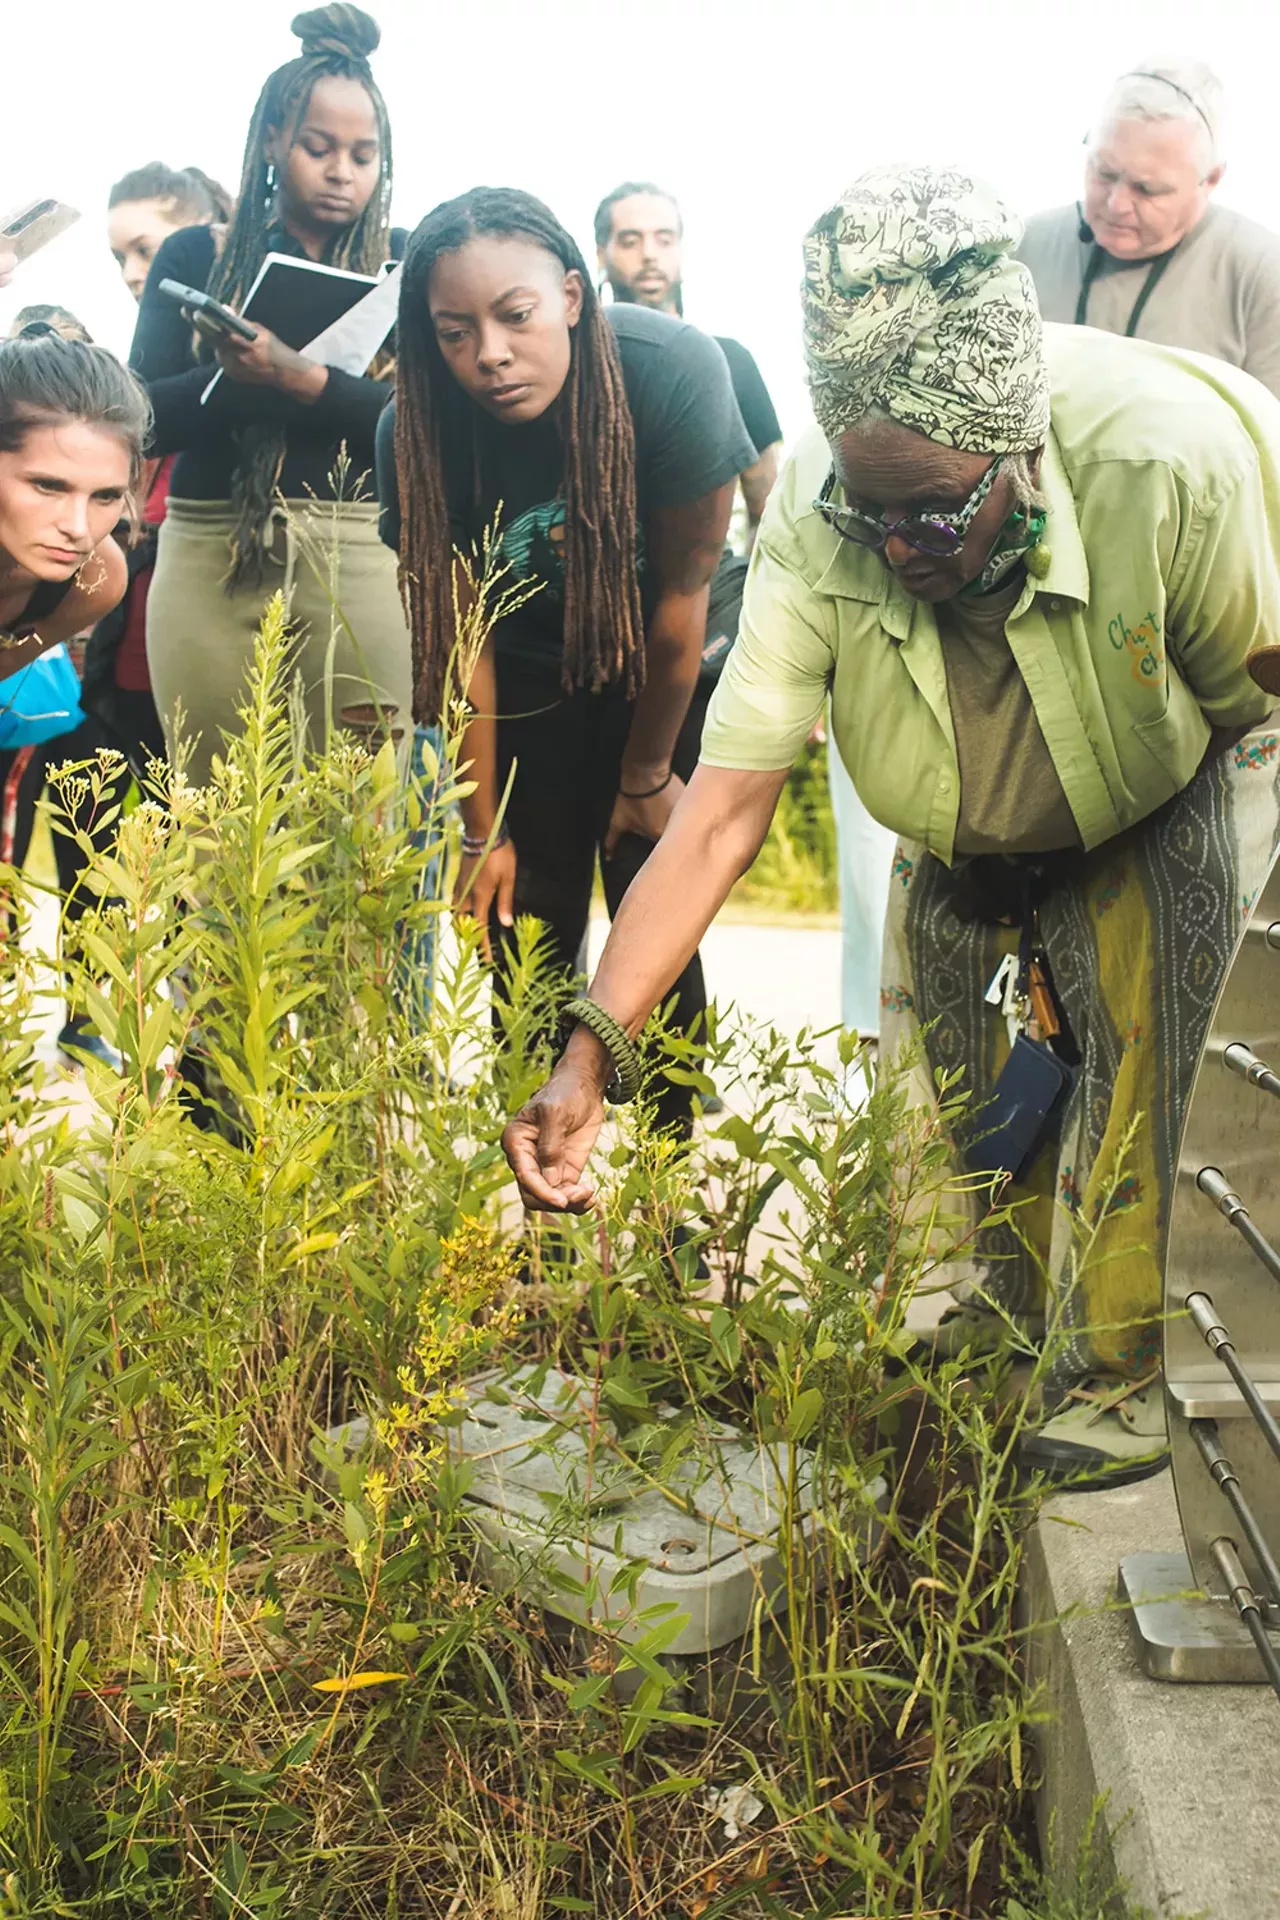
[
  {"x": 1016, "y": 468},
  {"x": 1185, "y": 90}
]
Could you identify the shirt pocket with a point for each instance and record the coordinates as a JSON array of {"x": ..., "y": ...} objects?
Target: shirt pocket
[{"x": 1175, "y": 739}]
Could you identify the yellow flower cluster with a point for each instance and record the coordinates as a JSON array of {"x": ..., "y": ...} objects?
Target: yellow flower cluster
[{"x": 460, "y": 1312}]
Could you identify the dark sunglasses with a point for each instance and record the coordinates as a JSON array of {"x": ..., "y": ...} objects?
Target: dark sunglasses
[{"x": 938, "y": 533}]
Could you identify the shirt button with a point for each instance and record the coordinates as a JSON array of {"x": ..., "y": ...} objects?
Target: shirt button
[
  {"x": 944, "y": 785},
  {"x": 1055, "y": 606}
]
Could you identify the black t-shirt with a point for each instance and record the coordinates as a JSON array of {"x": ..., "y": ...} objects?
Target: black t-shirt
[
  {"x": 690, "y": 439},
  {"x": 757, "y": 409},
  {"x": 761, "y": 421},
  {"x": 45, "y": 596},
  {"x": 163, "y": 355}
]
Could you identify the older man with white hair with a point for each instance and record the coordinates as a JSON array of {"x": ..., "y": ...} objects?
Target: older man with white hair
[{"x": 1148, "y": 253}]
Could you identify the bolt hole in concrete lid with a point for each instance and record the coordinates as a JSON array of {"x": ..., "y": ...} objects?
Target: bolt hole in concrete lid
[{"x": 560, "y": 1509}]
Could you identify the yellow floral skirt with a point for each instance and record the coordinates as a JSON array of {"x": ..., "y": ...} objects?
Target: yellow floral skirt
[{"x": 1139, "y": 937}]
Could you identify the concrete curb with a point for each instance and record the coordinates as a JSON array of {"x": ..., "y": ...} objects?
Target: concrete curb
[{"x": 1195, "y": 1768}]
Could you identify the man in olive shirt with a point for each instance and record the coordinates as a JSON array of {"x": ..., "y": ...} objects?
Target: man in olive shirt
[{"x": 1146, "y": 253}]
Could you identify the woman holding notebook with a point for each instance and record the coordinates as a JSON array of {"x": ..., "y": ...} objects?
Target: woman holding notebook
[{"x": 316, "y": 185}]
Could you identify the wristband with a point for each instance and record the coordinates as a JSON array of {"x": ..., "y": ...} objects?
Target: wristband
[
  {"x": 621, "y": 1048},
  {"x": 649, "y": 791},
  {"x": 474, "y": 844}
]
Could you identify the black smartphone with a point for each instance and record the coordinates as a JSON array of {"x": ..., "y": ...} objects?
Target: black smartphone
[
  {"x": 211, "y": 311},
  {"x": 1024, "y": 1110}
]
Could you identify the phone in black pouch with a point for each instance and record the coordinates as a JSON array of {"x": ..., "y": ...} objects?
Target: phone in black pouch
[{"x": 1025, "y": 1110}]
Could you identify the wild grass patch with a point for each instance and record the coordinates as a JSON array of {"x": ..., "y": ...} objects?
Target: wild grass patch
[{"x": 247, "y": 1671}]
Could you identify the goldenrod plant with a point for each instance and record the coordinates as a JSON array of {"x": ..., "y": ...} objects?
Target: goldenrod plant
[{"x": 252, "y": 1658}]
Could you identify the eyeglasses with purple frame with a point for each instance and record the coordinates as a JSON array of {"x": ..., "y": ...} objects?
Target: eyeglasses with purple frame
[{"x": 937, "y": 533}]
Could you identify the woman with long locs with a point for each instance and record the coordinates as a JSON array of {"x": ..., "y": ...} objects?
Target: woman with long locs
[
  {"x": 316, "y": 183},
  {"x": 609, "y": 440}
]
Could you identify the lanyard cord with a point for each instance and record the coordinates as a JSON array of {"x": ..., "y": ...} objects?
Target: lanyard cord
[{"x": 1097, "y": 256}]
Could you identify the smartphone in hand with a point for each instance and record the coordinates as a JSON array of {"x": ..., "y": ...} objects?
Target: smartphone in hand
[
  {"x": 216, "y": 317},
  {"x": 29, "y": 228}
]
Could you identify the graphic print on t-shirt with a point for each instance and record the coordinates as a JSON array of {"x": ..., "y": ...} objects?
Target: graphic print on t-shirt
[{"x": 533, "y": 546}]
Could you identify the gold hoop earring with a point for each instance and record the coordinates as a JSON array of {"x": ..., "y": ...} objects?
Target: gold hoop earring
[{"x": 99, "y": 579}]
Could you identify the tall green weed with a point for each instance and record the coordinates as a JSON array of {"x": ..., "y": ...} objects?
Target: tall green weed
[{"x": 250, "y": 1667}]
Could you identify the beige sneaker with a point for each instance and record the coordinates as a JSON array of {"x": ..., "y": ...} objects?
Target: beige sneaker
[{"x": 1108, "y": 1433}]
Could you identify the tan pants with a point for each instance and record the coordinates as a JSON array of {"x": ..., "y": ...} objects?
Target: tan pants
[{"x": 200, "y": 639}]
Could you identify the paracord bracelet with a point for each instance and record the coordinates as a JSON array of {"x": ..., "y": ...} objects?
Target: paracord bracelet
[
  {"x": 473, "y": 844},
  {"x": 625, "y": 1084},
  {"x": 649, "y": 791}
]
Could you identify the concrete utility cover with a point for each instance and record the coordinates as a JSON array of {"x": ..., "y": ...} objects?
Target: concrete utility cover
[{"x": 553, "y": 1503}]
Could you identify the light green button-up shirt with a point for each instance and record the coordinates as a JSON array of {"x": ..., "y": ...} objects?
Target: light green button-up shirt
[{"x": 1162, "y": 480}]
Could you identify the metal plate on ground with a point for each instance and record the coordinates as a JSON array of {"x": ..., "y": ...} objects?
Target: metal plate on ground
[
  {"x": 1178, "y": 1632},
  {"x": 560, "y": 1504}
]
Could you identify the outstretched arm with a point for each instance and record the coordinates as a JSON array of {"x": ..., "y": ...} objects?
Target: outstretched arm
[{"x": 713, "y": 836}]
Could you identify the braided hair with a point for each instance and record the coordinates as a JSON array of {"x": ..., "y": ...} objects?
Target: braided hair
[
  {"x": 436, "y": 426},
  {"x": 336, "y": 41},
  {"x": 192, "y": 193}
]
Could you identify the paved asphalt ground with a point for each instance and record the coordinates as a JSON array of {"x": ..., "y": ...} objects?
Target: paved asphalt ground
[{"x": 788, "y": 976}]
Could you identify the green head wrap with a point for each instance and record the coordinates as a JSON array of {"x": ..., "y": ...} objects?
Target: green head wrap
[{"x": 914, "y": 303}]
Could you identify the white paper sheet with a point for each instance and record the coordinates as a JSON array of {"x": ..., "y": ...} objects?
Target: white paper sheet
[
  {"x": 346, "y": 344},
  {"x": 351, "y": 342}
]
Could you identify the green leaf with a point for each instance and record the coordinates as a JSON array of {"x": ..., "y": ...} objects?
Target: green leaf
[
  {"x": 384, "y": 775},
  {"x": 738, "y": 1134},
  {"x": 255, "y": 1049},
  {"x": 357, "y": 1528},
  {"x": 624, "y": 1396},
  {"x": 375, "y": 1006},
  {"x": 82, "y": 1220},
  {"x": 593, "y": 1767},
  {"x": 725, "y": 1337},
  {"x": 805, "y": 1410},
  {"x": 21, "y": 1553},
  {"x": 155, "y": 1035},
  {"x": 301, "y": 1751},
  {"x": 314, "y": 1243},
  {"x": 588, "y": 1691},
  {"x": 674, "y": 1783},
  {"x": 430, "y": 761}
]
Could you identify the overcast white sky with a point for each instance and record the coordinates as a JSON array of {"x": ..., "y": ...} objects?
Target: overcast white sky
[{"x": 754, "y": 114}]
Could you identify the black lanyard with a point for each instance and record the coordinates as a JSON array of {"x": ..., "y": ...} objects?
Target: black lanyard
[{"x": 1097, "y": 256}]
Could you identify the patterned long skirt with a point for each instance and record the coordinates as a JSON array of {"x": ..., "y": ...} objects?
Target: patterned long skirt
[{"x": 1138, "y": 939}]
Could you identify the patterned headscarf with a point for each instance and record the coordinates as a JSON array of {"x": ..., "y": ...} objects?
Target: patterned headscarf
[{"x": 913, "y": 302}]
